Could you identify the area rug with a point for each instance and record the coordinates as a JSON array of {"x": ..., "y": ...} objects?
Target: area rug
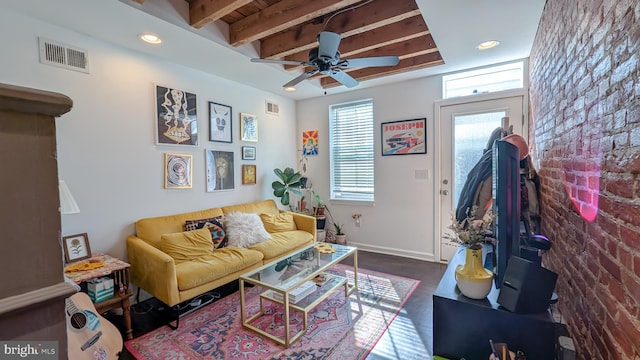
[{"x": 338, "y": 328}]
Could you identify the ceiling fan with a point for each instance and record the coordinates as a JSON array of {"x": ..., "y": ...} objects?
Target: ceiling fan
[{"x": 326, "y": 60}]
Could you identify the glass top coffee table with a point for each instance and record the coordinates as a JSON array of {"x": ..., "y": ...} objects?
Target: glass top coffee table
[{"x": 298, "y": 282}]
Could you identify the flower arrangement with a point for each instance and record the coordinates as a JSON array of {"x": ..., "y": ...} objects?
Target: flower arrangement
[
  {"x": 471, "y": 232},
  {"x": 356, "y": 216}
]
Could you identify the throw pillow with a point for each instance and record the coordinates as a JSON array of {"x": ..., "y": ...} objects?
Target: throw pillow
[
  {"x": 188, "y": 245},
  {"x": 218, "y": 235},
  {"x": 274, "y": 223},
  {"x": 244, "y": 229}
]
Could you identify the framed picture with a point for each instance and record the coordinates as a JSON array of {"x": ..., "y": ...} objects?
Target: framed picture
[
  {"x": 220, "y": 127},
  {"x": 248, "y": 174},
  {"x": 248, "y": 153},
  {"x": 310, "y": 143},
  {"x": 176, "y": 122},
  {"x": 248, "y": 127},
  {"x": 220, "y": 170},
  {"x": 178, "y": 171},
  {"x": 404, "y": 137},
  {"x": 76, "y": 247}
]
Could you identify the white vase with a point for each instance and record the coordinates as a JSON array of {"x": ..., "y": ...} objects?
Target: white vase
[{"x": 341, "y": 239}]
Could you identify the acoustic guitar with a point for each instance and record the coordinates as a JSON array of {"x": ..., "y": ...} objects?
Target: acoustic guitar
[{"x": 90, "y": 336}]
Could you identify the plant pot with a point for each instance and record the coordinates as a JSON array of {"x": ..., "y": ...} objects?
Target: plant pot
[
  {"x": 473, "y": 280},
  {"x": 303, "y": 182},
  {"x": 341, "y": 239},
  {"x": 319, "y": 211},
  {"x": 321, "y": 222}
]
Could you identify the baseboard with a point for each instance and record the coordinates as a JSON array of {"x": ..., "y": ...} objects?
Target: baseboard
[{"x": 392, "y": 251}]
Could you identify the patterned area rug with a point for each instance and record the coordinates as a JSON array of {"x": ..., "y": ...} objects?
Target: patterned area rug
[{"x": 339, "y": 327}]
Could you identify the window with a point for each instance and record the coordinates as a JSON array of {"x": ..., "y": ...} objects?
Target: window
[
  {"x": 491, "y": 79},
  {"x": 351, "y": 153}
]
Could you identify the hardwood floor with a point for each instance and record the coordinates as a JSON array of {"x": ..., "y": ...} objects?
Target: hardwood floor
[{"x": 408, "y": 337}]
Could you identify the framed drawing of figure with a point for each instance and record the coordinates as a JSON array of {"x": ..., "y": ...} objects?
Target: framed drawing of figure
[
  {"x": 220, "y": 126},
  {"x": 220, "y": 170},
  {"x": 248, "y": 174},
  {"x": 176, "y": 122}
]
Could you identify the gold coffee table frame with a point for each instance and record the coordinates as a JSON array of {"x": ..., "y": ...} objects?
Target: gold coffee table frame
[{"x": 285, "y": 274}]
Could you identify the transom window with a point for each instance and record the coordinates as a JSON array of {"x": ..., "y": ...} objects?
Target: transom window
[{"x": 481, "y": 81}]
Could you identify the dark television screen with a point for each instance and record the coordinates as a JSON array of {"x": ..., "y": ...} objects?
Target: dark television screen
[{"x": 506, "y": 203}]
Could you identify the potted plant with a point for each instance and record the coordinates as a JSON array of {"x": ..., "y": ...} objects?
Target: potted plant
[
  {"x": 318, "y": 209},
  {"x": 289, "y": 183},
  {"x": 338, "y": 233}
]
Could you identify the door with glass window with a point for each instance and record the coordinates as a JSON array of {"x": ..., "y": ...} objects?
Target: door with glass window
[{"x": 468, "y": 125}]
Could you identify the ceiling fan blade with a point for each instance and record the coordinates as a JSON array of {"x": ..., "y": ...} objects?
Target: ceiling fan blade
[
  {"x": 343, "y": 78},
  {"x": 329, "y": 43},
  {"x": 283, "y": 62},
  {"x": 302, "y": 76},
  {"x": 369, "y": 62}
]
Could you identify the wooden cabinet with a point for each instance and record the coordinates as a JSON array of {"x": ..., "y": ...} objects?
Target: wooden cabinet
[{"x": 33, "y": 290}]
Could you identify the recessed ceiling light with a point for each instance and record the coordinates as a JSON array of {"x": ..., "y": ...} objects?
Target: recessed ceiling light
[
  {"x": 150, "y": 38},
  {"x": 488, "y": 45},
  {"x": 290, "y": 89}
]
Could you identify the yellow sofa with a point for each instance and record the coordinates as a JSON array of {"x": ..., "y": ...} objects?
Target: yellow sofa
[{"x": 175, "y": 282}]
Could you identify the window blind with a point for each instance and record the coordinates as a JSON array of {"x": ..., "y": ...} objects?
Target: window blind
[{"x": 351, "y": 139}]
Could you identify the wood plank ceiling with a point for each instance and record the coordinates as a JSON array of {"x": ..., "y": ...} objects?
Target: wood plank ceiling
[{"x": 288, "y": 29}]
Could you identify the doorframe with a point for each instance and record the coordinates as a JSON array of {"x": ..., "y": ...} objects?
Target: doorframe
[{"x": 438, "y": 105}]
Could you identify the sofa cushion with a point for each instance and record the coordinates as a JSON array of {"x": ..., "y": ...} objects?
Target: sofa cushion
[
  {"x": 218, "y": 235},
  {"x": 244, "y": 229},
  {"x": 187, "y": 245},
  {"x": 214, "y": 266},
  {"x": 256, "y": 207},
  {"x": 274, "y": 223},
  {"x": 282, "y": 243},
  {"x": 151, "y": 229}
]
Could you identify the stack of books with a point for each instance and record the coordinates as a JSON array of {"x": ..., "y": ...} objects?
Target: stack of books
[{"x": 298, "y": 293}]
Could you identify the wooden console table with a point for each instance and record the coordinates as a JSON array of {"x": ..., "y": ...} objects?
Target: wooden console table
[
  {"x": 117, "y": 270},
  {"x": 462, "y": 326}
]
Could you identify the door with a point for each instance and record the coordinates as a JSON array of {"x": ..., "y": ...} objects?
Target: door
[{"x": 468, "y": 125}]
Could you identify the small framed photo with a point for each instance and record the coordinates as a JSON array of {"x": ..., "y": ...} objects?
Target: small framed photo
[
  {"x": 76, "y": 247},
  {"x": 405, "y": 137},
  {"x": 220, "y": 127},
  {"x": 248, "y": 127},
  {"x": 248, "y": 174},
  {"x": 178, "y": 171},
  {"x": 248, "y": 153}
]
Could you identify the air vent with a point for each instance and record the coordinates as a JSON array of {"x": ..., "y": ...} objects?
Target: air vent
[
  {"x": 62, "y": 55},
  {"x": 272, "y": 108}
]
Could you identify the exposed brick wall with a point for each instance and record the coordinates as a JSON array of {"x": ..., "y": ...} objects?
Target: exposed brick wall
[{"x": 585, "y": 135}]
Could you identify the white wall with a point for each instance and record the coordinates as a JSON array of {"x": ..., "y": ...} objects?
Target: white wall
[
  {"x": 401, "y": 220},
  {"x": 106, "y": 146}
]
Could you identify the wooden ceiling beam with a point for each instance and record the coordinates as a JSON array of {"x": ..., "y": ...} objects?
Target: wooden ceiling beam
[
  {"x": 387, "y": 35},
  {"x": 202, "y": 12},
  {"x": 412, "y": 63},
  {"x": 281, "y": 16},
  {"x": 360, "y": 20}
]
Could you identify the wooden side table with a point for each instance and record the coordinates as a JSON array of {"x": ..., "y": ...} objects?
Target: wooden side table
[{"x": 117, "y": 270}]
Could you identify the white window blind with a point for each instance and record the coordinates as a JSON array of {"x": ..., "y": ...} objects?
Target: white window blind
[{"x": 351, "y": 139}]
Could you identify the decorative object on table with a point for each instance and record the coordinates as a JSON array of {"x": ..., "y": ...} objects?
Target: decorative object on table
[
  {"x": 100, "y": 289},
  {"x": 324, "y": 248},
  {"x": 177, "y": 171},
  {"x": 220, "y": 170},
  {"x": 248, "y": 153},
  {"x": 310, "y": 143},
  {"x": 220, "y": 124},
  {"x": 473, "y": 280},
  {"x": 344, "y": 328},
  {"x": 176, "y": 122},
  {"x": 248, "y": 174},
  {"x": 404, "y": 137},
  {"x": 289, "y": 183},
  {"x": 248, "y": 127},
  {"x": 76, "y": 247}
]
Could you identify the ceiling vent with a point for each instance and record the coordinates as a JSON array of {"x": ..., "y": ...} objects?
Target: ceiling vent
[{"x": 62, "y": 55}]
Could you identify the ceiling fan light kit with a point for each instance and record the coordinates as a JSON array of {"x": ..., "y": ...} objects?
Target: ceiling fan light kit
[{"x": 325, "y": 59}]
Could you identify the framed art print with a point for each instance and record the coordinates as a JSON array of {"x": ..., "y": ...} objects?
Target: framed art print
[
  {"x": 176, "y": 122},
  {"x": 404, "y": 137},
  {"x": 76, "y": 247},
  {"x": 220, "y": 127},
  {"x": 177, "y": 171},
  {"x": 310, "y": 143},
  {"x": 248, "y": 174},
  {"x": 220, "y": 170},
  {"x": 248, "y": 127},
  {"x": 248, "y": 153}
]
